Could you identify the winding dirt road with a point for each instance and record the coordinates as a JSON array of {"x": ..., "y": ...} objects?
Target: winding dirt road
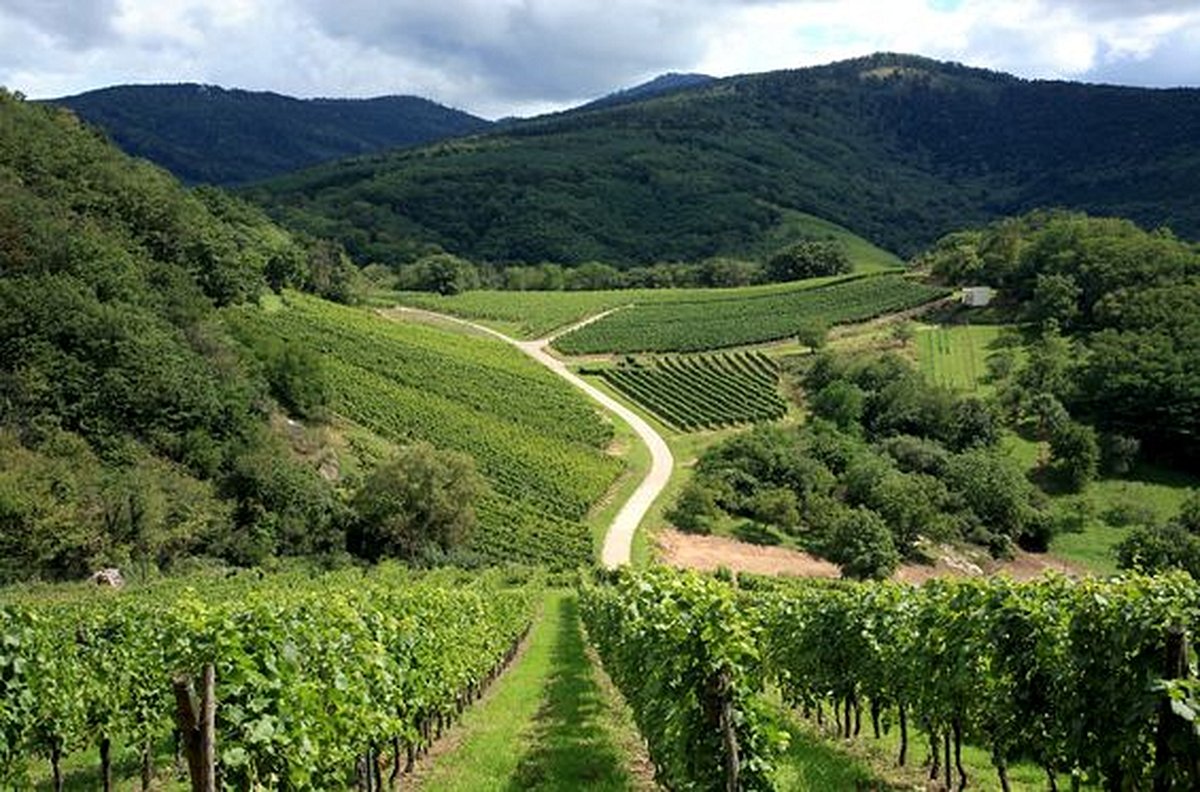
[{"x": 619, "y": 540}]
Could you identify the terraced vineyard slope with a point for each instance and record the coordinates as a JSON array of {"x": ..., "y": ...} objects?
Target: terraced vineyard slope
[
  {"x": 704, "y": 391},
  {"x": 733, "y": 321},
  {"x": 538, "y": 442}
]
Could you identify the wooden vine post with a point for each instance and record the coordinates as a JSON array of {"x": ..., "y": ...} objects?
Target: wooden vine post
[
  {"x": 1169, "y": 724},
  {"x": 720, "y": 688},
  {"x": 197, "y": 724}
]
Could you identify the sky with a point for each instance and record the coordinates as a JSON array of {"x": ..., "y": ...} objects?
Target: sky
[{"x": 521, "y": 57}]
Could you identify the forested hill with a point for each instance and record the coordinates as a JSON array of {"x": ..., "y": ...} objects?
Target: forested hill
[
  {"x": 204, "y": 133},
  {"x": 132, "y": 427},
  {"x": 897, "y": 148}
]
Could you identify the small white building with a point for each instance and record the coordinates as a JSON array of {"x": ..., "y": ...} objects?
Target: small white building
[{"x": 977, "y": 296}]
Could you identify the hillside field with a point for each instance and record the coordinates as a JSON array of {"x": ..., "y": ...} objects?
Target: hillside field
[
  {"x": 538, "y": 442},
  {"x": 693, "y": 392},
  {"x": 679, "y": 326},
  {"x": 534, "y": 314}
]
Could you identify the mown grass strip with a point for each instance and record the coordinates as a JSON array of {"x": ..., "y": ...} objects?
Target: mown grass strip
[{"x": 550, "y": 724}]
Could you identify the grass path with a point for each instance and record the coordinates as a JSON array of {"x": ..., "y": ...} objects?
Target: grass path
[{"x": 552, "y": 722}]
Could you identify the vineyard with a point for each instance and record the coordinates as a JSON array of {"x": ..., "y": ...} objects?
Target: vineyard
[
  {"x": 511, "y": 531},
  {"x": 1087, "y": 680},
  {"x": 289, "y": 682},
  {"x": 769, "y": 316},
  {"x": 533, "y": 314},
  {"x": 535, "y": 439},
  {"x": 476, "y": 372},
  {"x": 704, "y": 391}
]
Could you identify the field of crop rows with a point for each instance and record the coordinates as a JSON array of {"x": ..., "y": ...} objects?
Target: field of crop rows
[
  {"x": 533, "y": 314},
  {"x": 714, "y": 324},
  {"x": 704, "y": 391},
  {"x": 535, "y": 439}
]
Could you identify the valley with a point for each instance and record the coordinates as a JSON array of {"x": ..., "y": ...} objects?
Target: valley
[{"x": 650, "y": 444}]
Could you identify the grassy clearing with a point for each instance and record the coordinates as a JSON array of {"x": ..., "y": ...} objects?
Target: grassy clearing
[
  {"x": 552, "y": 722},
  {"x": 1156, "y": 491},
  {"x": 865, "y": 256},
  {"x": 955, "y": 356}
]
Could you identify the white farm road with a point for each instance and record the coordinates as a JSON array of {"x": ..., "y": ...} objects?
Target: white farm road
[{"x": 618, "y": 541}]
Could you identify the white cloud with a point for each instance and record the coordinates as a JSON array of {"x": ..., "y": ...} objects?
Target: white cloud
[
  {"x": 1032, "y": 38},
  {"x": 499, "y": 57}
]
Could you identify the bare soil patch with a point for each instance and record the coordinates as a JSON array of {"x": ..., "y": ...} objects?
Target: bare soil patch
[{"x": 708, "y": 553}]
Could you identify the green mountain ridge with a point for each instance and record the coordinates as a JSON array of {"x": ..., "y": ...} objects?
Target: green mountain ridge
[
  {"x": 208, "y": 134},
  {"x": 899, "y": 149}
]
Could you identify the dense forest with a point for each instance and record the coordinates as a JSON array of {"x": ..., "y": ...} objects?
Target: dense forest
[
  {"x": 204, "y": 133},
  {"x": 1114, "y": 305},
  {"x": 896, "y": 148},
  {"x": 134, "y": 430}
]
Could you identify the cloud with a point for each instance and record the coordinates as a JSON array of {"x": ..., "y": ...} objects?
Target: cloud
[
  {"x": 1172, "y": 62},
  {"x": 79, "y": 23},
  {"x": 499, "y": 57},
  {"x": 528, "y": 49},
  {"x": 1031, "y": 38}
]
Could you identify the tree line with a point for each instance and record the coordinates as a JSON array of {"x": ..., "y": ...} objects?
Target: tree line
[{"x": 445, "y": 273}]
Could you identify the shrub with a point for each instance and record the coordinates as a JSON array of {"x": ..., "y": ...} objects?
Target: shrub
[
  {"x": 809, "y": 258},
  {"x": 695, "y": 509},
  {"x": 862, "y": 546},
  {"x": 420, "y": 498}
]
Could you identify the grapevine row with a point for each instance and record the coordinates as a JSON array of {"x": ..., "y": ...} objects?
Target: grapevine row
[
  {"x": 1087, "y": 680},
  {"x": 685, "y": 660},
  {"x": 713, "y": 324},
  {"x": 708, "y": 391},
  {"x": 310, "y": 675}
]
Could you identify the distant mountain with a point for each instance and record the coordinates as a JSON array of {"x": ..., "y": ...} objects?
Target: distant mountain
[
  {"x": 896, "y": 148},
  {"x": 208, "y": 134},
  {"x": 671, "y": 82}
]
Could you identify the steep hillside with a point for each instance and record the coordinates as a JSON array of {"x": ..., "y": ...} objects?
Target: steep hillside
[
  {"x": 896, "y": 148},
  {"x": 132, "y": 430},
  {"x": 142, "y": 424},
  {"x": 537, "y": 441},
  {"x": 204, "y": 133}
]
